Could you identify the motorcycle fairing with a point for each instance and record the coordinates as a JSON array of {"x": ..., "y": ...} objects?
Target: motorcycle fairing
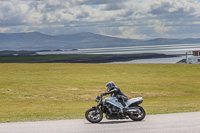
[
  {"x": 134, "y": 100},
  {"x": 114, "y": 101}
]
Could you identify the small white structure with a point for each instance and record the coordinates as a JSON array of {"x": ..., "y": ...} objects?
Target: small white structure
[{"x": 195, "y": 58}]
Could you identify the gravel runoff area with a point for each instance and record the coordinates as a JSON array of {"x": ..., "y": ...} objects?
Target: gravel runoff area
[{"x": 162, "y": 123}]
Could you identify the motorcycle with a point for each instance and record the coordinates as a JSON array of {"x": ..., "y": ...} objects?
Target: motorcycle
[{"x": 113, "y": 109}]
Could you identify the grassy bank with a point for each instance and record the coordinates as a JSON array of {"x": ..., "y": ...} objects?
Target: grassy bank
[
  {"x": 80, "y": 58},
  {"x": 65, "y": 91}
]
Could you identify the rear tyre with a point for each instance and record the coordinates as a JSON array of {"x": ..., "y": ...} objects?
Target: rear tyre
[
  {"x": 140, "y": 115},
  {"x": 92, "y": 117}
]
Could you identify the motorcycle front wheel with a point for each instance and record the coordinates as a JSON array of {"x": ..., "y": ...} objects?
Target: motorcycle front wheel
[
  {"x": 139, "y": 115},
  {"x": 93, "y": 117}
]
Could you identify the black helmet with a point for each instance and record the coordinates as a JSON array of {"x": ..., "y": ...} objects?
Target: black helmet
[{"x": 110, "y": 85}]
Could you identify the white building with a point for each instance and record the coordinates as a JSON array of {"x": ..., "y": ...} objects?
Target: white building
[{"x": 195, "y": 58}]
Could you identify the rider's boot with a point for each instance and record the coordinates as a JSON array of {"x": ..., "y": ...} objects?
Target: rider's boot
[{"x": 125, "y": 109}]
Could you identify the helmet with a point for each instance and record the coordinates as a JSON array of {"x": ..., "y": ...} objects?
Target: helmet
[{"x": 110, "y": 85}]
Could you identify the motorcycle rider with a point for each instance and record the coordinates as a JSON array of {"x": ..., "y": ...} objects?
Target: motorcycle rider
[{"x": 116, "y": 92}]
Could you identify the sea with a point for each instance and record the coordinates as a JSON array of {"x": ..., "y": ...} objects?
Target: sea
[{"x": 160, "y": 49}]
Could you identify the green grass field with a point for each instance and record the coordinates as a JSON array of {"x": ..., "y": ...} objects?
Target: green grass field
[
  {"x": 45, "y": 58},
  {"x": 30, "y": 92}
]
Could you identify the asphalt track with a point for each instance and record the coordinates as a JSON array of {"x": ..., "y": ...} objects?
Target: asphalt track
[{"x": 165, "y": 123}]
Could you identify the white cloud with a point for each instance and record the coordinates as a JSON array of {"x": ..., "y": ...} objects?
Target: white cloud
[{"x": 128, "y": 18}]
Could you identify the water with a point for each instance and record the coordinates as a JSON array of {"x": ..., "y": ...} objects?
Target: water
[
  {"x": 161, "y": 49},
  {"x": 171, "y": 60}
]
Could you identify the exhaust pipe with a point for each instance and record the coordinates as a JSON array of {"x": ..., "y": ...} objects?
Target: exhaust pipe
[{"x": 133, "y": 110}]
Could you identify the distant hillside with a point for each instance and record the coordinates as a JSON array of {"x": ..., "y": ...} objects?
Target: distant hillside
[{"x": 38, "y": 41}]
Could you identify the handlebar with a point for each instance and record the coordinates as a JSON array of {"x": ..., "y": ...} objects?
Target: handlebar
[{"x": 103, "y": 94}]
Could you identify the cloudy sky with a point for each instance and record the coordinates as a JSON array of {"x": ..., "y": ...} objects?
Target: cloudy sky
[{"x": 139, "y": 19}]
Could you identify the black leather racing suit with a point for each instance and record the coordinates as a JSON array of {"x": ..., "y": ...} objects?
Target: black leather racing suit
[{"x": 116, "y": 92}]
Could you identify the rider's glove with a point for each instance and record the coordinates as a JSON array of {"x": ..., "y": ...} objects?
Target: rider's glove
[{"x": 106, "y": 93}]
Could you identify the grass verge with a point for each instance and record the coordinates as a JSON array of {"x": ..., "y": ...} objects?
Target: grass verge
[{"x": 30, "y": 92}]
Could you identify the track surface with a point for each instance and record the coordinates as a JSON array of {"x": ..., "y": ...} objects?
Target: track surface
[{"x": 165, "y": 123}]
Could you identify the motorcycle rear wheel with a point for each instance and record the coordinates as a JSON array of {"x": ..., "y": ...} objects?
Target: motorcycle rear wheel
[
  {"x": 137, "y": 117},
  {"x": 92, "y": 117}
]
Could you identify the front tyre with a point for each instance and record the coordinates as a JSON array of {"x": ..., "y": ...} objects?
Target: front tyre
[
  {"x": 92, "y": 117},
  {"x": 139, "y": 115}
]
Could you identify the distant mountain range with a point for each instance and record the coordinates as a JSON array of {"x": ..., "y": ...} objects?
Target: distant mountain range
[{"x": 39, "y": 41}]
